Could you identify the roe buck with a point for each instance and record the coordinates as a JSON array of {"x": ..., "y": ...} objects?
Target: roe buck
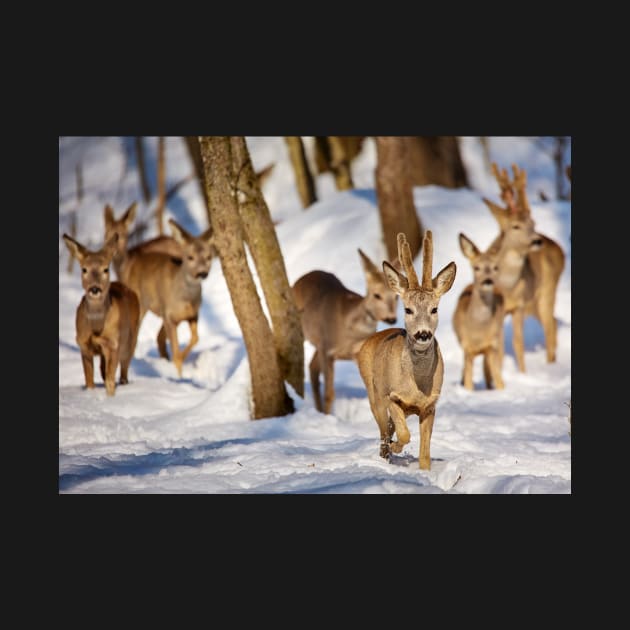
[
  {"x": 108, "y": 316},
  {"x": 530, "y": 264},
  {"x": 171, "y": 287},
  {"x": 163, "y": 244},
  {"x": 337, "y": 321},
  {"x": 479, "y": 315},
  {"x": 403, "y": 368}
]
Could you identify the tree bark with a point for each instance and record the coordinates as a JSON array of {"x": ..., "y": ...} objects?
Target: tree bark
[
  {"x": 192, "y": 142},
  {"x": 558, "y": 154},
  {"x": 142, "y": 171},
  {"x": 161, "y": 185},
  {"x": 261, "y": 238},
  {"x": 269, "y": 396},
  {"x": 395, "y": 195},
  {"x": 303, "y": 177},
  {"x": 340, "y": 163},
  {"x": 436, "y": 160}
]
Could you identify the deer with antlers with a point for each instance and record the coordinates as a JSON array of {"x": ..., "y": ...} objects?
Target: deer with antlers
[
  {"x": 402, "y": 368},
  {"x": 479, "y": 314},
  {"x": 530, "y": 264},
  {"x": 337, "y": 321}
]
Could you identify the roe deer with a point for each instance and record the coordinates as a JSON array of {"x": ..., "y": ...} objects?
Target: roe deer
[
  {"x": 479, "y": 315},
  {"x": 403, "y": 368},
  {"x": 171, "y": 287},
  {"x": 530, "y": 264},
  {"x": 337, "y": 321},
  {"x": 162, "y": 244},
  {"x": 108, "y": 316}
]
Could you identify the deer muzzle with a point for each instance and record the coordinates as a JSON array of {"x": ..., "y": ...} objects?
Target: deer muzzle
[
  {"x": 424, "y": 335},
  {"x": 390, "y": 320},
  {"x": 94, "y": 290}
]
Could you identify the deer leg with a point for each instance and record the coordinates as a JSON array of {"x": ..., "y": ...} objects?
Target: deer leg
[
  {"x": 491, "y": 359},
  {"x": 314, "y": 369},
  {"x": 171, "y": 331},
  {"x": 386, "y": 428},
  {"x": 161, "y": 342},
  {"x": 487, "y": 372},
  {"x": 518, "y": 318},
  {"x": 329, "y": 383},
  {"x": 102, "y": 366},
  {"x": 426, "y": 430},
  {"x": 545, "y": 309},
  {"x": 110, "y": 350},
  {"x": 87, "y": 358},
  {"x": 400, "y": 424},
  {"x": 468, "y": 370},
  {"x": 194, "y": 338},
  {"x": 129, "y": 348}
]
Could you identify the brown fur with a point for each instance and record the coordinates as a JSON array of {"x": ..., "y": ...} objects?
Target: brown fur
[
  {"x": 107, "y": 318},
  {"x": 530, "y": 265},
  {"x": 478, "y": 317},
  {"x": 403, "y": 369},
  {"x": 337, "y": 321},
  {"x": 171, "y": 287}
]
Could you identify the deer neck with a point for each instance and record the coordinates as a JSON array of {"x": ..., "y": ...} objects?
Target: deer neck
[
  {"x": 423, "y": 364},
  {"x": 482, "y": 305},
  {"x": 511, "y": 262},
  {"x": 97, "y": 313},
  {"x": 119, "y": 260},
  {"x": 188, "y": 288}
]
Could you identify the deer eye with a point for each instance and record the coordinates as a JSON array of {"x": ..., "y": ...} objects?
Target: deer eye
[
  {"x": 191, "y": 257},
  {"x": 377, "y": 296},
  {"x": 408, "y": 311},
  {"x": 495, "y": 268},
  {"x": 106, "y": 270},
  {"x": 84, "y": 269},
  {"x": 516, "y": 227},
  {"x": 434, "y": 310},
  {"x": 476, "y": 267}
]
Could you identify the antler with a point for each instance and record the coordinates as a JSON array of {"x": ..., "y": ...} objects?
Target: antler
[
  {"x": 506, "y": 186},
  {"x": 404, "y": 255},
  {"x": 520, "y": 183},
  {"x": 427, "y": 260}
]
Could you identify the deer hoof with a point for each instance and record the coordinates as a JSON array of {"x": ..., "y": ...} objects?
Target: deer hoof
[
  {"x": 385, "y": 451},
  {"x": 396, "y": 447}
]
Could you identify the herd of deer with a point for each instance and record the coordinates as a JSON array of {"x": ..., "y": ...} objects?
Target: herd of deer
[{"x": 402, "y": 368}]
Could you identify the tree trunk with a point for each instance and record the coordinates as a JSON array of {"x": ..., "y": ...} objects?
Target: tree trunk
[
  {"x": 261, "y": 238},
  {"x": 144, "y": 183},
  {"x": 436, "y": 160},
  {"x": 303, "y": 177},
  {"x": 269, "y": 396},
  {"x": 395, "y": 195},
  {"x": 485, "y": 151},
  {"x": 161, "y": 185},
  {"x": 192, "y": 142},
  {"x": 340, "y": 163},
  {"x": 558, "y": 154}
]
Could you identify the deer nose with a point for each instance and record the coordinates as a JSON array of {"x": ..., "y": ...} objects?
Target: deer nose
[
  {"x": 487, "y": 282},
  {"x": 425, "y": 335},
  {"x": 537, "y": 242},
  {"x": 202, "y": 274},
  {"x": 390, "y": 320},
  {"x": 95, "y": 290}
]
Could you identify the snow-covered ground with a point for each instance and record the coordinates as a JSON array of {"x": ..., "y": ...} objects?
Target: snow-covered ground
[{"x": 163, "y": 434}]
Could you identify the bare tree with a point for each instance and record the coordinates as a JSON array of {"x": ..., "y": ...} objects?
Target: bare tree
[
  {"x": 395, "y": 195},
  {"x": 161, "y": 185},
  {"x": 269, "y": 396},
  {"x": 263, "y": 244},
  {"x": 558, "y": 156},
  {"x": 303, "y": 177},
  {"x": 340, "y": 163},
  {"x": 436, "y": 160},
  {"x": 142, "y": 171}
]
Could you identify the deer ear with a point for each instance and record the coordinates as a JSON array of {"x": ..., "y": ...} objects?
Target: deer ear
[
  {"x": 469, "y": 249},
  {"x": 109, "y": 215},
  {"x": 130, "y": 215},
  {"x": 499, "y": 213},
  {"x": 109, "y": 249},
  {"x": 179, "y": 233},
  {"x": 444, "y": 280},
  {"x": 396, "y": 281},
  {"x": 76, "y": 249},
  {"x": 368, "y": 266},
  {"x": 208, "y": 235}
]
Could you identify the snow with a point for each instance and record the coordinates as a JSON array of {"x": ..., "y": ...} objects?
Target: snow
[{"x": 163, "y": 434}]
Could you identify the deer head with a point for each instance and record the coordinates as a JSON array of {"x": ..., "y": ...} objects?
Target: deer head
[
  {"x": 95, "y": 276},
  {"x": 485, "y": 265},
  {"x": 420, "y": 300},
  {"x": 120, "y": 226},
  {"x": 197, "y": 251},
  {"x": 380, "y": 300}
]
